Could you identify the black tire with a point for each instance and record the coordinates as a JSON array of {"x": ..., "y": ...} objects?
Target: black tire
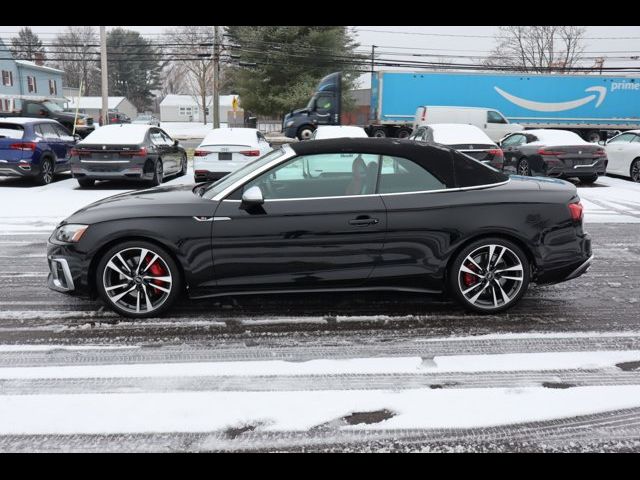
[
  {"x": 45, "y": 175},
  {"x": 86, "y": 182},
  {"x": 403, "y": 133},
  {"x": 524, "y": 168},
  {"x": 105, "y": 274},
  {"x": 593, "y": 136},
  {"x": 305, "y": 132},
  {"x": 634, "y": 170},
  {"x": 184, "y": 166},
  {"x": 158, "y": 173},
  {"x": 379, "y": 133},
  {"x": 589, "y": 180},
  {"x": 494, "y": 300}
]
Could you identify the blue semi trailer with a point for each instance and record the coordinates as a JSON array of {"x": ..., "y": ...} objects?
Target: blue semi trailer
[{"x": 590, "y": 105}]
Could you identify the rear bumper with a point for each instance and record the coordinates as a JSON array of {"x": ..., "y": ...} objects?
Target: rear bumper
[
  {"x": 136, "y": 169},
  {"x": 595, "y": 167},
  {"x": 13, "y": 170},
  {"x": 575, "y": 261},
  {"x": 206, "y": 176}
]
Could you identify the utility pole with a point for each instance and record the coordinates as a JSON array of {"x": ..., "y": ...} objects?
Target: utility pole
[
  {"x": 373, "y": 55},
  {"x": 216, "y": 79},
  {"x": 105, "y": 77}
]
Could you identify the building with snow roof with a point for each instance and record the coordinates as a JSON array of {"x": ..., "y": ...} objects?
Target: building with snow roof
[
  {"x": 92, "y": 106},
  {"x": 187, "y": 108}
]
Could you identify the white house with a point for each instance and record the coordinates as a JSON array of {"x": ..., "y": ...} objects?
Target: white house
[
  {"x": 186, "y": 108},
  {"x": 92, "y": 106}
]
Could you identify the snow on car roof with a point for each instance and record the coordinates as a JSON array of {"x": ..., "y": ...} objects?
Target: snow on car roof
[
  {"x": 124, "y": 133},
  {"x": 556, "y": 137},
  {"x": 457, "y": 133},
  {"x": 340, "y": 131},
  {"x": 24, "y": 120},
  {"x": 226, "y": 135}
]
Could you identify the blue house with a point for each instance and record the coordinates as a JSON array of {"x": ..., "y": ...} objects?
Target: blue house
[{"x": 22, "y": 79}]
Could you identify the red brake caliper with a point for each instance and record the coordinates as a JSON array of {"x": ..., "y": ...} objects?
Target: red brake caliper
[
  {"x": 157, "y": 271},
  {"x": 467, "y": 278}
]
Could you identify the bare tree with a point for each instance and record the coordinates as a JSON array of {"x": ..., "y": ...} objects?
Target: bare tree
[
  {"x": 76, "y": 52},
  {"x": 173, "y": 79},
  {"x": 538, "y": 48},
  {"x": 190, "y": 42}
]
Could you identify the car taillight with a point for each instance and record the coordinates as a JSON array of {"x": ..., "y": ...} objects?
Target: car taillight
[
  {"x": 201, "y": 153},
  {"x": 576, "y": 211},
  {"x": 496, "y": 152},
  {"x": 24, "y": 146},
  {"x": 544, "y": 151},
  {"x": 600, "y": 153},
  {"x": 250, "y": 153},
  {"x": 141, "y": 152}
]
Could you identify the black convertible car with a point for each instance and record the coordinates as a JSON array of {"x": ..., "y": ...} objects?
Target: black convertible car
[{"x": 343, "y": 214}]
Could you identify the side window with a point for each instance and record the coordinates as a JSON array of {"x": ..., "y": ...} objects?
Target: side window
[
  {"x": 34, "y": 109},
  {"x": 325, "y": 175},
  {"x": 514, "y": 140},
  {"x": 624, "y": 138},
  {"x": 63, "y": 133},
  {"x": 48, "y": 131},
  {"x": 400, "y": 175},
  {"x": 636, "y": 139},
  {"x": 495, "y": 117},
  {"x": 323, "y": 104},
  {"x": 156, "y": 137}
]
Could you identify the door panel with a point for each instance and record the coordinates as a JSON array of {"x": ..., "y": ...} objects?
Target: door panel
[{"x": 307, "y": 243}]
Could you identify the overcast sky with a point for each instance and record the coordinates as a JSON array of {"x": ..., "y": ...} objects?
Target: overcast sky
[{"x": 436, "y": 40}]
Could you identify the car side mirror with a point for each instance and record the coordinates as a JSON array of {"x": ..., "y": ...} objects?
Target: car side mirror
[
  {"x": 176, "y": 143},
  {"x": 602, "y": 142},
  {"x": 252, "y": 198},
  {"x": 77, "y": 137}
]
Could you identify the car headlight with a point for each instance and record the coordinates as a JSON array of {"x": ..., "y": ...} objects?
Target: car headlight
[
  {"x": 71, "y": 233},
  {"x": 289, "y": 123}
]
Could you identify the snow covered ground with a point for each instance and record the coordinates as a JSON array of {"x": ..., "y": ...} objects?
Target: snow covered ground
[
  {"x": 29, "y": 208},
  {"x": 153, "y": 397}
]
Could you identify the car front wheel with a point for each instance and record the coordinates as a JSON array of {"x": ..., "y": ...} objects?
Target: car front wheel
[
  {"x": 634, "y": 171},
  {"x": 138, "y": 279},
  {"x": 489, "y": 275},
  {"x": 523, "y": 168}
]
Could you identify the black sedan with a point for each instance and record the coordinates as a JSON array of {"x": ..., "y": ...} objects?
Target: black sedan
[
  {"x": 342, "y": 214},
  {"x": 553, "y": 153},
  {"x": 127, "y": 152}
]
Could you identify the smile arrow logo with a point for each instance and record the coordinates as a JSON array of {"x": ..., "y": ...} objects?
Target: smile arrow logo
[{"x": 555, "y": 107}]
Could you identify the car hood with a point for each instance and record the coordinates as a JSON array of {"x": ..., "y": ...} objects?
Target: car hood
[{"x": 167, "y": 201}]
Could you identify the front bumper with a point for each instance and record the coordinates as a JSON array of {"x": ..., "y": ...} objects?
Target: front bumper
[{"x": 68, "y": 270}]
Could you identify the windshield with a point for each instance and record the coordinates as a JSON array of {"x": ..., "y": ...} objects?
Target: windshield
[
  {"x": 53, "y": 107},
  {"x": 217, "y": 187},
  {"x": 311, "y": 103}
]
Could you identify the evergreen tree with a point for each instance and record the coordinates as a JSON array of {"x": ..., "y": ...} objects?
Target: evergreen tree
[
  {"x": 133, "y": 67},
  {"x": 27, "y": 45},
  {"x": 279, "y": 66}
]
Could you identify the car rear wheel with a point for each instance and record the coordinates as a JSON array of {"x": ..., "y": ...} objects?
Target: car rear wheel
[
  {"x": 158, "y": 173},
  {"x": 589, "y": 180},
  {"x": 138, "y": 279},
  {"x": 86, "y": 182},
  {"x": 634, "y": 171},
  {"x": 45, "y": 177},
  {"x": 489, "y": 275},
  {"x": 379, "y": 133},
  {"x": 523, "y": 168}
]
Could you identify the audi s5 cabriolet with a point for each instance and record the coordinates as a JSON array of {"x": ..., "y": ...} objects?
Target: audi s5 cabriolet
[{"x": 356, "y": 214}]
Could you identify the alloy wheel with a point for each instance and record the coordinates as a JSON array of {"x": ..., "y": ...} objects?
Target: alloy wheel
[
  {"x": 523, "y": 168},
  {"x": 635, "y": 170},
  {"x": 491, "y": 276},
  {"x": 47, "y": 172},
  {"x": 137, "y": 280}
]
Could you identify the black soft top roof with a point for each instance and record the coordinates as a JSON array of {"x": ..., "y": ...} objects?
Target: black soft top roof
[{"x": 451, "y": 167}]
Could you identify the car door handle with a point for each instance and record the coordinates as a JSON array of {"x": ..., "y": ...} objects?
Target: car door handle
[{"x": 363, "y": 222}]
